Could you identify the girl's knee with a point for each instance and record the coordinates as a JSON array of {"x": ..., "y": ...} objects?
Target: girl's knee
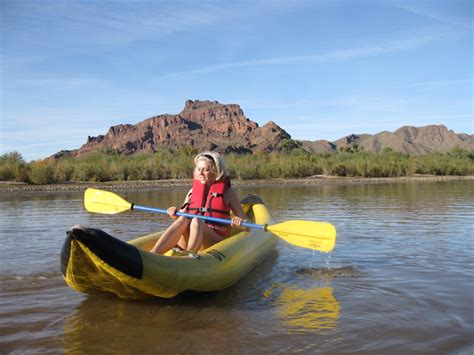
[
  {"x": 196, "y": 222},
  {"x": 182, "y": 220}
]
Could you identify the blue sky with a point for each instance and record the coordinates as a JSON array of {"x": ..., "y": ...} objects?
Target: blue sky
[{"x": 320, "y": 69}]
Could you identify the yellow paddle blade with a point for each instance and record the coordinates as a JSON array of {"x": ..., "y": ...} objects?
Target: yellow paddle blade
[
  {"x": 105, "y": 202},
  {"x": 319, "y": 236}
]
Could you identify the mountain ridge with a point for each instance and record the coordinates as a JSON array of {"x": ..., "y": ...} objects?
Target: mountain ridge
[{"x": 210, "y": 125}]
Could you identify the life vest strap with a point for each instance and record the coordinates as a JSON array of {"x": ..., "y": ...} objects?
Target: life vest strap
[
  {"x": 207, "y": 209},
  {"x": 216, "y": 194}
]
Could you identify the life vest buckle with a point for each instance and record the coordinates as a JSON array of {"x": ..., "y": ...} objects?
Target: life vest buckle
[{"x": 203, "y": 209}]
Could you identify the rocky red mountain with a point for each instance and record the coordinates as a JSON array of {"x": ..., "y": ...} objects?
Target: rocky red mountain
[
  {"x": 204, "y": 125},
  {"x": 209, "y": 125}
]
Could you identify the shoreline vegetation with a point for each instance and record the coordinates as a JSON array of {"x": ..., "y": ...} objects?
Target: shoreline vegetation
[
  {"x": 12, "y": 187},
  {"x": 172, "y": 168}
]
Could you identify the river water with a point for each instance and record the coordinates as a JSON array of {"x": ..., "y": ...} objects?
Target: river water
[{"x": 400, "y": 280}]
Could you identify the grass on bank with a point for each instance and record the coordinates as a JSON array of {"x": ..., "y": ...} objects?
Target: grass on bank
[{"x": 103, "y": 166}]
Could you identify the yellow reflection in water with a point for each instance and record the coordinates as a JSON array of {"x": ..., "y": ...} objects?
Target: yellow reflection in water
[{"x": 302, "y": 310}]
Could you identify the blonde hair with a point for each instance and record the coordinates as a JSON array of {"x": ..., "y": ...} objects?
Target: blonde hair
[{"x": 216, "y": 159}]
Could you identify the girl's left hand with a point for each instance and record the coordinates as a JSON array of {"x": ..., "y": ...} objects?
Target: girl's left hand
[{"x": 236, "y": 221}]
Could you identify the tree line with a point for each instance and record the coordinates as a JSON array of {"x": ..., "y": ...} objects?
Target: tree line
[{"x": 290, "y": 162}]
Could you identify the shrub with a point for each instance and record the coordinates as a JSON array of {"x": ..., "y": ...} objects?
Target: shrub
[
  {"x": 13, "y": 167},
  {"x": 41, "y": 172}
]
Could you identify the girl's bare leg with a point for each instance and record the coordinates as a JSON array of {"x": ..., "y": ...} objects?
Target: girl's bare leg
[
  {"x": 201, "y": 236},
  {"x": 171, "y": 236},
  {"x": 183, "y": 241}
]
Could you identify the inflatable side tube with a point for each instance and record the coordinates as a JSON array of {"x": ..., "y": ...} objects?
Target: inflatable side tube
[{"x": 116, "y": 253}]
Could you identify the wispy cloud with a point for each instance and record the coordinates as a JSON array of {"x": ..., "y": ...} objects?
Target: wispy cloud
[
  {"x": 454, "y": 13},
  {"x": 65, "y": 23},
  {"x": 437, "y": 83},
  {"x": 351, "y": 103},
  {"x": 34, "y": 31},
  {"x": 60, "y": 83},
  {"x": 118, "y": 21},
  {"x": 381, "y": 48}
]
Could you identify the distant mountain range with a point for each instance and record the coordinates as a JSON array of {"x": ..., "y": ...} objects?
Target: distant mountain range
[{"x": 209, "y": 125}]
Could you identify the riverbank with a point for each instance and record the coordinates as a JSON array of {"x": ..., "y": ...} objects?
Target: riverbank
[{"x": 9, "y": 187}]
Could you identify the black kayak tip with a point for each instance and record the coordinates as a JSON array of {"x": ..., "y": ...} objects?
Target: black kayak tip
[{"x": 118, "y": 254}]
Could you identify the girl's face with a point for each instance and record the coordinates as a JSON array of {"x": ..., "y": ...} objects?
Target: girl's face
[{"x": 204, "y": 171}]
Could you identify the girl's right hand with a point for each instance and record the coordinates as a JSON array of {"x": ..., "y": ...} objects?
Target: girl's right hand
[{"x": 172, "y": 212}]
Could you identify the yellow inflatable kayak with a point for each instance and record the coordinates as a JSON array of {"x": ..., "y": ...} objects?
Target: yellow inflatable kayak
[{"x": 92, "y": 261}]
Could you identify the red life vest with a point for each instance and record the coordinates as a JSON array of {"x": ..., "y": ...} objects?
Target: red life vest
[{"x": 210, "y": 202}]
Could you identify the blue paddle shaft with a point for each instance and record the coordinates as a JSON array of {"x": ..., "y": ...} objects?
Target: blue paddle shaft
[{"x": 190, "y": 215}]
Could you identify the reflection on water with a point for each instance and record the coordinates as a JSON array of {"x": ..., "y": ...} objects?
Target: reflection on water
[
  {"x": 305, "y": 310},
  {"x": 181, "y": 325}
]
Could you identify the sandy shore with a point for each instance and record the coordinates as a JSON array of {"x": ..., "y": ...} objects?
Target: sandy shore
[{"x": 8, "y": 187}]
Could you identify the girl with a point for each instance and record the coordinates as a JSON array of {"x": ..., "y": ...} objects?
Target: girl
[{"x": 211, "y": 195}]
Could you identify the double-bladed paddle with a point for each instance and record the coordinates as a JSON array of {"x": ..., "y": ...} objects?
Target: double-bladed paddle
[{"x": 319, "y": 236}]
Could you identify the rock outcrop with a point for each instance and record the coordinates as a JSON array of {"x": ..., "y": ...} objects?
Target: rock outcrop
[{"x": 204, "y": 125}]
